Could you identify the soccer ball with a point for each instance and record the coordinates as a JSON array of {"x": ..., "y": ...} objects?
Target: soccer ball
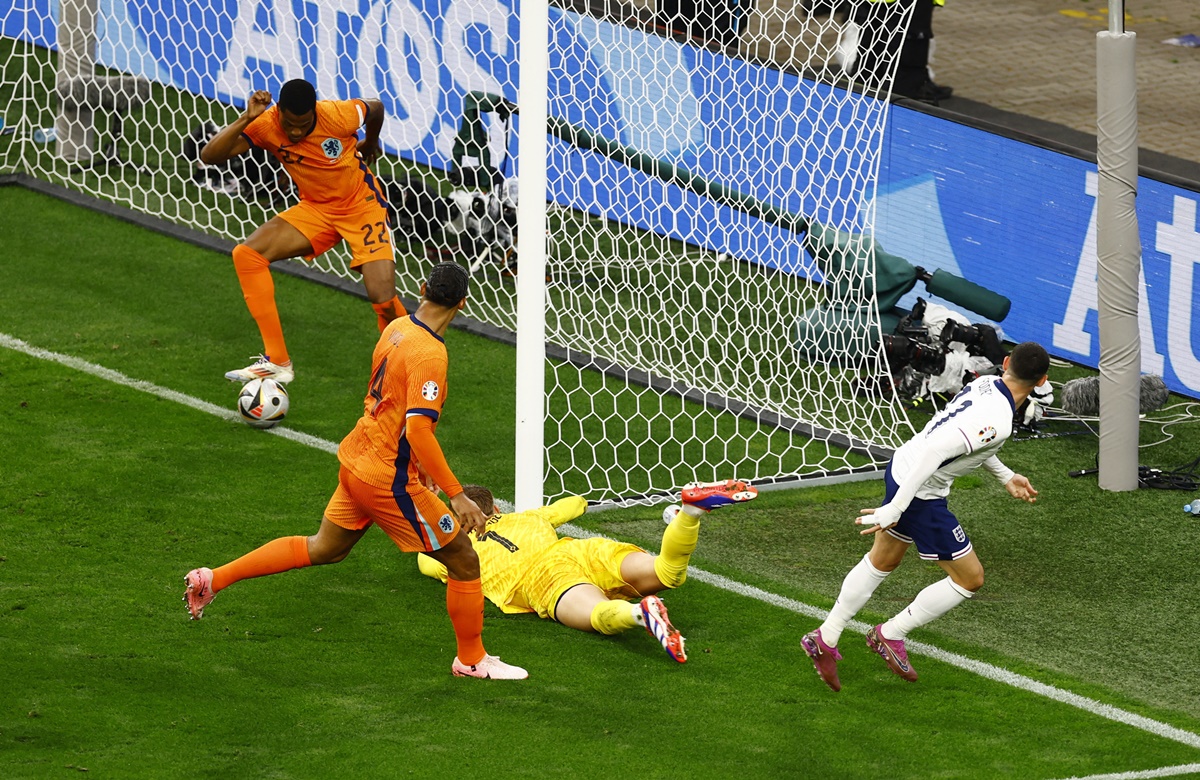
[{"x": 262, "y": 402}]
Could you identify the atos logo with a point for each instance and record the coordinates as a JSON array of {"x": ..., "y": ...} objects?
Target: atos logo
[{"x": 417, "y": 56}]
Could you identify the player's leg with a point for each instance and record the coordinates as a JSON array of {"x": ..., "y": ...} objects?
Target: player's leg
[
  {"x": 275, "y": 240},
  {"x": 464, "y": 604},
  {"x": 938, "y": 536},
  {"x": 330, "y": 544},
  {"x": 584, "y": 607},
  {"x": 683, "y": 531},
  {"x": 416, "y": 520},
  {"x": 342, "y": 526},
  {"x": 887, "y": 551},
  {"x": 300, "y": 231},
  {"x": 964, "y": 580},
  {"x": 379, "y": 280},
  {"x": 369, "y": 237}
]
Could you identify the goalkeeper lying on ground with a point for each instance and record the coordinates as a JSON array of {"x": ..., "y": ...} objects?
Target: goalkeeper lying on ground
[{"x": 587, "y": 583}]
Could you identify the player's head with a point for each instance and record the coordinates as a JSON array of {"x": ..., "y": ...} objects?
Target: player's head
[
  {"x": 297, "y": 109},
  {"x": 1028, "y": 363},
  {"x": 482, "y": 497},
  {"x": 447, "y": 285}
]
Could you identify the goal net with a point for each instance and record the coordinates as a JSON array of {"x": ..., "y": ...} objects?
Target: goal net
[{"x": 710, "y": 288}]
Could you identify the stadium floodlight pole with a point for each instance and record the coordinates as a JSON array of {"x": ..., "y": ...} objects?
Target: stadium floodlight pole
[
  {"x": 1118, "y": 250},
  {"x": 532, "y": 101}
]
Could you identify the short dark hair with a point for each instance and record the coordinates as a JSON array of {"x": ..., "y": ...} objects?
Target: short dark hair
[
  {"x": 1028, "y": 362},
  {"x": 447, "y": 284},
  {"x": 482, "y": 497},
  {"x": 297, "y": 97}
]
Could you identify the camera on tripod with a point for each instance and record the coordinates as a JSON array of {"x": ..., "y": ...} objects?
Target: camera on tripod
[{"x": 939, "y": 356}]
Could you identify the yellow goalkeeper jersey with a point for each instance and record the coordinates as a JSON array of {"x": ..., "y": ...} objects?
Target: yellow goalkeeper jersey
[{"x": 510, "y": 544}]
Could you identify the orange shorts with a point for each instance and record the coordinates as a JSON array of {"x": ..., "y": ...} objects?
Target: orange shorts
[
  {"x": 414, "y": 518},
  {"x": 365, "y": 230}
]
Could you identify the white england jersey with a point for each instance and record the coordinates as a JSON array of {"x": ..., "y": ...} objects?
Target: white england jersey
[{"x": 966, "y": 434}]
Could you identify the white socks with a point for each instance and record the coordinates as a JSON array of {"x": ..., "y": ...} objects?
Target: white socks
[
  {"x": 857, "y": 588},
  {"x": 930, "y": 604}
]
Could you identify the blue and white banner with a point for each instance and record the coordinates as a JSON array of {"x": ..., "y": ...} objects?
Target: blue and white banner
[
  {"x": 1012, "y": 217},
  {"x": 1021, "y": 220}
]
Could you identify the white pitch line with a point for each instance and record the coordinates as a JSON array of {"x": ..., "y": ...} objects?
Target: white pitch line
[
  {"x": 1166, "y": 771},
  {"x": 153, "y": 389},
  {"x": 980, "y": 668}
]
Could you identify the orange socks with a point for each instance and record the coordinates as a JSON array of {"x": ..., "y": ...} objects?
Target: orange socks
[
  {"x": 464, "y": 602},
  {"x": 388, "y": 311},
  {"x": 254, "y": 274},
  {"x": 283, "y": 554}
]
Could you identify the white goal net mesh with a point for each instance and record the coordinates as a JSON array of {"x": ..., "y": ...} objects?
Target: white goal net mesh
[{"x": 702, "y": 320}]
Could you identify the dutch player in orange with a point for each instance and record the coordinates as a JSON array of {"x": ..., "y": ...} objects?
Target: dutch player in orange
[
  {"x": 403, "y": 403},
  {"x": 340, "y": 199}
]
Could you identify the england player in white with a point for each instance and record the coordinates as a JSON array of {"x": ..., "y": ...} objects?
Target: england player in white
[{"x": 964, "y": 435}]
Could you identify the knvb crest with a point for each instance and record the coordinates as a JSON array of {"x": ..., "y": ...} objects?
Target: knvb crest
[
  {"x": 446, "y": 524},
  {"x": 332, "y": 148}
]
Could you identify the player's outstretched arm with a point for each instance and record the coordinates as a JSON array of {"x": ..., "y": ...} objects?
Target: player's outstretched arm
[
  {"x": 564, "y": 510},
  {"x": 1019, "y": 487},
  {"x": 229, "y": 143}
]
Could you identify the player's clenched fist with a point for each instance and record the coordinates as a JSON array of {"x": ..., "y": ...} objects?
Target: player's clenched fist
[{"x": 258, "y": 103}]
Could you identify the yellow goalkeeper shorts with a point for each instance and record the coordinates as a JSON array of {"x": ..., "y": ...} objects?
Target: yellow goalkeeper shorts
[{"x": 571, "y": 562}]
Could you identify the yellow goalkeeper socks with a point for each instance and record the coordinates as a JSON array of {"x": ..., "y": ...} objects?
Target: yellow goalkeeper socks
[
  {"x": 613, "y": 617},
  {"x": 678, "y": 544}
]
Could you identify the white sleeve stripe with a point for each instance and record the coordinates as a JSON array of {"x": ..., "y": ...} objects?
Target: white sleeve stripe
[{"x": 362, "y": 117}]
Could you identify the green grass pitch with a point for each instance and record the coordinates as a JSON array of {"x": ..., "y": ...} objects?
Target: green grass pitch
[{"x": 108, "y": 495}]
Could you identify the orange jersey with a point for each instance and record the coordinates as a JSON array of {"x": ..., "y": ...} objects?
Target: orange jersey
[
  {"x": 325, "y": 164},
  {"x": 408, "y": 378}
]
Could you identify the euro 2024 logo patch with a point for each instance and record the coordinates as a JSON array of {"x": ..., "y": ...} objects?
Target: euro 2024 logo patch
[
  {"x": 446, "y": 524},
  {"x": 332, "y": 148},
  {"x": 430, "y": 391},
  {"x": 987, "y": 435}
]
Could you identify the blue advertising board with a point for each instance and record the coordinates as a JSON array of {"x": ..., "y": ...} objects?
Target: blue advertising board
[{"x": 1015, "y": 218}]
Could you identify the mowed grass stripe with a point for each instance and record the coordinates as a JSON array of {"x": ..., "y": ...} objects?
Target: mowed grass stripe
[{"x": 983, "y": 669}]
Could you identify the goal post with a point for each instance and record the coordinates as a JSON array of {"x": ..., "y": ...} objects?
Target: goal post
[{"x": 670, "y": 325}]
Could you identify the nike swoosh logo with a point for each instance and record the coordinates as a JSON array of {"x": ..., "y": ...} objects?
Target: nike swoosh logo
[{"x": 376, "y": 249}]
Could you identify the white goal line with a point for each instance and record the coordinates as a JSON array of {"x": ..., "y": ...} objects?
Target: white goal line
[
  {"x": 1166, "y": 771},
  {"x": 980, "y": 668}
]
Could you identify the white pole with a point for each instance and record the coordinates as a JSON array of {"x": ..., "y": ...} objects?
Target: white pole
[
  {"x": 76, "y": 60},
  {"x": 533, "y": 58},
  {"x": 1118, "y": 247}
]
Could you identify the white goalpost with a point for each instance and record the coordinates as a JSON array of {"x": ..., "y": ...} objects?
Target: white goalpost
[{"x": 674, "y": 230}]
